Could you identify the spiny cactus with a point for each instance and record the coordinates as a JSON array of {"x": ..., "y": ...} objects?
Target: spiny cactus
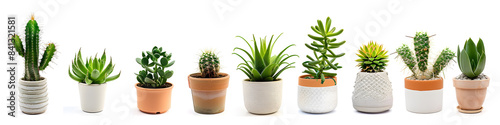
[
  {"x": 316, "y": 66},
  {"x": 209, "y": 65},
  {"x": 32, "y": 67},
  {"x": 372, "y": 57},
  {"x": 418, "y": 63}
]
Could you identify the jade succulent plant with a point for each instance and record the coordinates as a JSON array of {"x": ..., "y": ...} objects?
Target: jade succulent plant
[
  {"x": 261, "y": 65},
  {"x": 472, "y": 58},
  {"x": 322, "y": 47},
  {"x": 418, "y": 62},
  {"x": 93, "y": 70},
  {"x": 32, "y": 67},
  {"x": 209, "y": 65},
  {"x": 372, "y": 57},
  {"x": 155, "y": 64}
]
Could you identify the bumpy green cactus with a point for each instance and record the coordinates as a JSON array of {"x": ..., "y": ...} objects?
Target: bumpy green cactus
[
  {"x": 32, "y": 67},
  {"x": 209, "y": 65},
  {"x": 418, "y": 63}
]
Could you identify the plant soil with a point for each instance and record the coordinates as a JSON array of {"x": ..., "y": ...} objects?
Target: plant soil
[
  {"x": 464, "y": 77},
  {"x": 199, "y": 76},
  {"x": 309, "y": 77},
  {"x": 166, "y": 85}
]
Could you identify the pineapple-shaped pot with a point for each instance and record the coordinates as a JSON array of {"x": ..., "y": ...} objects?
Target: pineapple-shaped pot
[{"x": 373, "y": 90}]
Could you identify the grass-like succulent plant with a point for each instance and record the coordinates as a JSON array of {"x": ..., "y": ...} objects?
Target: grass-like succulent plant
[
  {"x": 93, "y": 70},
  {"x": 472, "y": 58},
  {"x": 324, "y": 57},
  {"x": 372, "y": 57},
  {"x": 155, "y": 64},
  {"x": 209, "y": 65},
  {"x": 261, "y": 65},
  {"x": 418, "y": 62},
  {"x": 32, "y": 67}
]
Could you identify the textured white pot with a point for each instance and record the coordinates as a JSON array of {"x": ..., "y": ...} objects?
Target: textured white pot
[
  {"x": 317, "y": 99},
  {"x": 33, "y": 96},
  {"x": 424, "y": 101},
  {"x": 92, "y": 97},
  {"x": 372, "y": 92},
  {"x": 262, "y": 97}
]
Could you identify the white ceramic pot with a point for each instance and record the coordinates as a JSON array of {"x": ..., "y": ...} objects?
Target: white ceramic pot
[
  {"x": 262, "y": 97},
  {"x": 424, "y": 96},
  {"x": 314, "y": 97},
  {"x": 92, "y": 97},
  {"x": 33, "y": 96},
  {"x": 372, "y": 92}
]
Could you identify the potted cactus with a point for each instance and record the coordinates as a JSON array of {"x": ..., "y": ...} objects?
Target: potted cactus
[
  {"x": 208, "y": 87},
  {"x": 424, "y": 88},
  {"x": 92, "y": 77},
  {"x": 373, "y": 90},
  {"x": 317, "y": 91},
  {"x": 153, "y": 90},
  {"x": 33, "y": 87},
  {"x": 263, "y": 89},
  {"x": 471, "y": 85}
]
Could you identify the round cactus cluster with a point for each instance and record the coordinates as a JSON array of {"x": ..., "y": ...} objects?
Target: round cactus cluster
[
  {"x": 372, "y": 57},
  {"x": 209, "y": 65}
]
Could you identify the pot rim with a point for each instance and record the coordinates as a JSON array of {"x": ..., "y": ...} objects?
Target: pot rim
[
  {"x": 471, "y": 84},
  {"x": 307, "y": 82},
  {"x": 42, "y": 79},
  {"x": 85, "y": 84},
  {"x": 487, "y": 79},
  {"x": 277, "y": 80},
  {"x": 154, "y": 89},
  {"x": 208, "y": 83},
  {"x": 226, "y": 75},
  {"x": 424, "y": 85}
]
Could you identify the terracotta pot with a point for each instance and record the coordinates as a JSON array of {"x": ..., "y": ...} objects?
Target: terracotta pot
[
  {"x": 33, "y": 97},
  {"x": 92, "y": 97},
  {"x": 424, "y": 96},
  {"x": 262, "y": 97},
  {"x": 372, "y": 92},
  {"x": 154, "y": 100},
  {"x": 209, "y": 94},
  {"x": 471, "y": 93},
  {"x": 314, "y": 97}
]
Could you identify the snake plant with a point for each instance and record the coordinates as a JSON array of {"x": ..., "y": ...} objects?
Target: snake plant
[
  {"x": 93, "y": 70},
  {"x": 261, "y": 65},
  {"x": 155, "y": 63},
  {"x": 472, "y": 58}
]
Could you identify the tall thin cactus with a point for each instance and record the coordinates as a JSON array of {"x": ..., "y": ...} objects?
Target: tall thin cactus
[{"x": 31, "y": 53}]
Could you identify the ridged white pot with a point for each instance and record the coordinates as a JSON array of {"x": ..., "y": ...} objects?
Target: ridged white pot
[
  {"x": 262, "y": 97},
  {"x": 92, "y": 97},
  {"x": 314, "y": 97},
  {"x": 372, "y": 92},
  {"x": 424, "y": 96},
  {"x": 33, "y": 96}
]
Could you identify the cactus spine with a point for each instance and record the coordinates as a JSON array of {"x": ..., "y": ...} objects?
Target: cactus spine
[
  {"x": 209, "y": 65},
  {"x": 32, "y": 67}
]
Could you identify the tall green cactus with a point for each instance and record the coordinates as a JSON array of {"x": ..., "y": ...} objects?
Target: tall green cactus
[
  {"x": 421, "y": 43},
  {"x": 32, "y": 67}
]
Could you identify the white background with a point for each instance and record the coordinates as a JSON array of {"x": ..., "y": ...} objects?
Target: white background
[{"x": 185, "y": 28}]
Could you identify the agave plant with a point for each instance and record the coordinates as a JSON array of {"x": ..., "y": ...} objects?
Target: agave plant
[
  {"x": 316, "y": 66},
  {"x": 372, "y": 57},
  {"x": 472, "y": 58},
  {"x": 418, "y": 62},
  {"x": 92, "y": 71},
  {"x": 261, "y": 66},
  {"x": 155, "y": 63}
]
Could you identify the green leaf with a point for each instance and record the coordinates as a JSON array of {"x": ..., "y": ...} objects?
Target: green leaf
[
  {"x": 466, "y": 65},
  {"x": 480, "y": 65},
  {"x": 78, "y": 79},
  {"x": 149, "y": 81},
  {"x": 109, "y": 79},
  {"x": 168, "y": 74},
  {"x": 88, "y": 81},
  {"x": 480, "y": 47},
  {"x": 268, "y": 71},
  {"x": 256, "y": 75},
  {"x": 164, "y": 61},
  {"x": 470, "y": 48},
  {"x": 95, "y": 74},
  {"x": 322, "y": 78}
]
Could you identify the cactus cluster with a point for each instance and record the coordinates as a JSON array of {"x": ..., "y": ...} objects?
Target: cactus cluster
[
  {"x": 323, "y": 54},
  {"x": 372, "y": 57},
  {"x": 418, "y": 62},
  {"x": 261, "y": 65},
  {"x": 472, "y": 58},
  {"x": 31, "y": 53},
  {"x": 209, "y": 65},
  {"x": 93, "y": 70},
  {"x": 155, "y": 64}
]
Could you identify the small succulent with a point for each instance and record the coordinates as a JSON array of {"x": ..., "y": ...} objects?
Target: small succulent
[
  {"x": 92, "y": 71},
  {"x": 323, "y": 54},
  {"x": 372, "y": 57},
  {"x": 472, "y": 58},
  {"x": 209, "y": 65},
  {"x": 261, "y": 66},
  {"x": 418, "y": 62},
  {"x": 32, "y": 67},
  {"x": 155, "y": 63}
]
